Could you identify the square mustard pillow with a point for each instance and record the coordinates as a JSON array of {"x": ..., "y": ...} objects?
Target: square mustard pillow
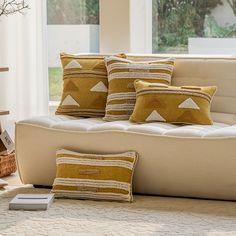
[
  {"x": 94, "y": 176},
  {"x": 121, "y": 76},
  {"x": 85, "y": 85},
  {"x": 179, "y": 105}
]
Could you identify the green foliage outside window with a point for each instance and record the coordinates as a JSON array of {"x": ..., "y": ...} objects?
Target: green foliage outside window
[
  {"x": 174, "y": 21},
  {"x": 73, "y": 12},
  {"x": 213, "y": 30}
]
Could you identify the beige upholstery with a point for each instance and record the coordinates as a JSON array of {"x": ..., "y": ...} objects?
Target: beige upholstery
[{"x": 190, "y": 161}]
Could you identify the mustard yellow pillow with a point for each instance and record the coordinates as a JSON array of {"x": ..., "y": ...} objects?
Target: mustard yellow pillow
[
  {"x": 121, "y": 76},
  {"x": 184, "y": 105},
  {"x": 85, "y": 85},
  {"x": 94, "y": 176}
]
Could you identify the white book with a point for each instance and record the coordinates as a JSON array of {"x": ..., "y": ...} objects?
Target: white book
[{"x": 32, "y": 202}]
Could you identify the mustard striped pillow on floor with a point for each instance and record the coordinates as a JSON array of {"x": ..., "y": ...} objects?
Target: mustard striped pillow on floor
[
  {"x": 94, "y": 176},
  {"x": 121, "y": 76}
]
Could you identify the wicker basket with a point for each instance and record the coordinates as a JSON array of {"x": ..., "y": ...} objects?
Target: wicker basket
[{"x": 7, "y": 164}]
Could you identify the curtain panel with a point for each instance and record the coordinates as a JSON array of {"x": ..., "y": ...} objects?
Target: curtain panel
[{"x": 23, "y": 48}]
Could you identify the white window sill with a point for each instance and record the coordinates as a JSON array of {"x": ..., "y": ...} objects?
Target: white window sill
[{"x": 53, "y": 106}]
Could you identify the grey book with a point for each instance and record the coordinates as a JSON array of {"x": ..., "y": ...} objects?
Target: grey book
[{"x": 31, "y": 202}]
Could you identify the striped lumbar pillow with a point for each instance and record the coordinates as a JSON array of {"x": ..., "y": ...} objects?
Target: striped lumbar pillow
[
  {"x": 94, "y": 176},
  {"x": 85, "y": 85},
  {"x": 121, "y": 76},
  {"x": 179, "y": 105}
]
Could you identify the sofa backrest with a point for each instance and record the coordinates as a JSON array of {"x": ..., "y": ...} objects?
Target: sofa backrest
[{"x": 205, "y": 71}]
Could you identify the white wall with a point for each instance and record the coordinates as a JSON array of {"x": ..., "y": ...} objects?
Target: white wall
[
  {"x": 71, "y": 39},
  {"x": 114, "y": 26},
  {"x": 217, "y": 46},
  {"x": 125, "y": 26},
  {"x": 141, "y": 26}
]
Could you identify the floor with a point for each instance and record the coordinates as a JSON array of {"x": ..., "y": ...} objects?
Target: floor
[
  {"x": 147, "y": 215},
  {"x": 13, "y": 180}
]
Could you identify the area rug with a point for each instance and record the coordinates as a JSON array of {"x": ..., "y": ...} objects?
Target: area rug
[{"x": 147, "y": 215}]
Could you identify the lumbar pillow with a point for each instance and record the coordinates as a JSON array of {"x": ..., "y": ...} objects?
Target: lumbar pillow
[
  {"x": 85, "y": 85},
  {"x": 121, "y": 76},
  {"x": 185, "y": 105},
  {"x": 94, "y": 176}
]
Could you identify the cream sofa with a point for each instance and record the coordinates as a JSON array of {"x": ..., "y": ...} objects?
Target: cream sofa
[{"x": 190, "y": 161}]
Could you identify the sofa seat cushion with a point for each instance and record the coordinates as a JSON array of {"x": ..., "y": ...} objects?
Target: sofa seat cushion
[{"x": 68, "y": 123}]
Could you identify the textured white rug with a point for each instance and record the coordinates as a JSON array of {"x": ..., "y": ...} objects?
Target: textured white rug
[{"x": 146, "y": 216}]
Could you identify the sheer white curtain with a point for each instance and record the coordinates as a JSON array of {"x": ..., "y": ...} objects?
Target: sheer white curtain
[{"x": 24, "y": 89}]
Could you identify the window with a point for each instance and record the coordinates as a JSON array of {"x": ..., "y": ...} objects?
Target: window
[
  {"x": 158, "y": 26},
  {"x": 72, "y": 27},
  {"x": 195, "y": 27}
]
